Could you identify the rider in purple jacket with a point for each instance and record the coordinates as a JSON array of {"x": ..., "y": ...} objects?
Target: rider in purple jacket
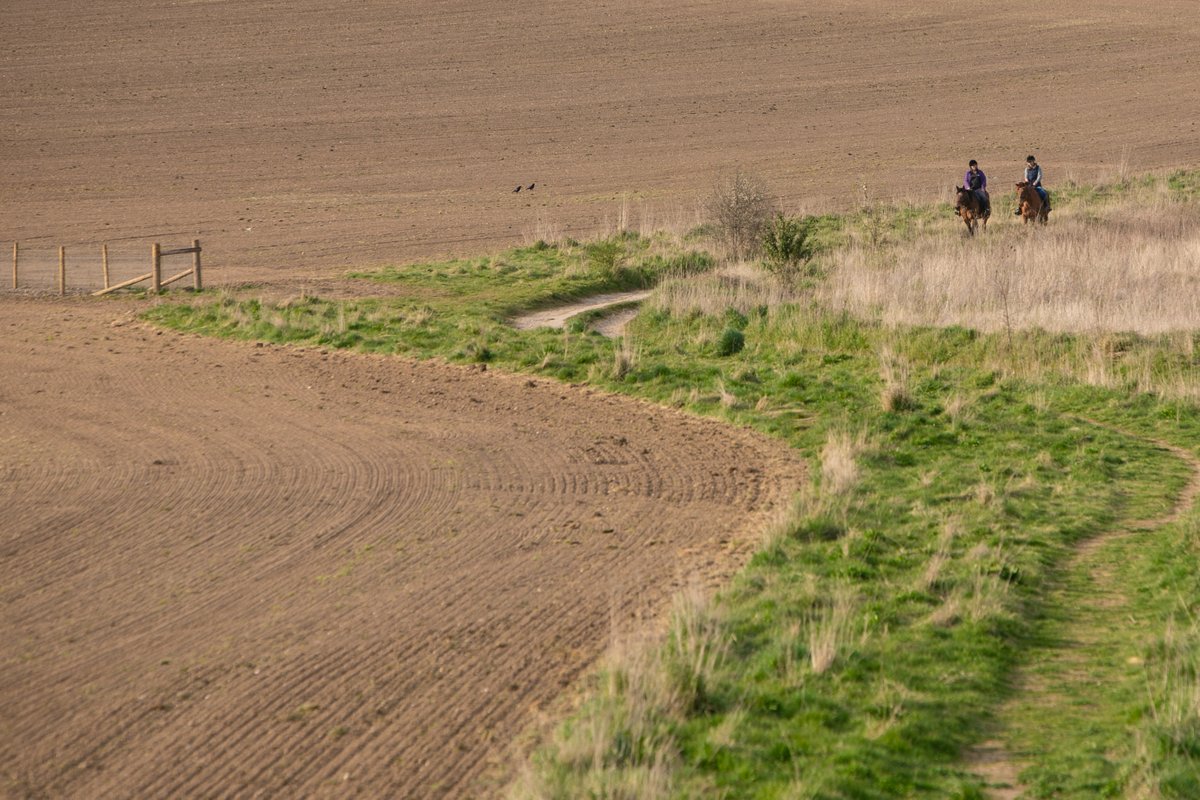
[{"x": 976, "y": 181}]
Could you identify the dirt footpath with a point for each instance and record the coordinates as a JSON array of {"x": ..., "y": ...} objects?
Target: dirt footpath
[
  {"x": 315, "y": 136},
  {"x": 239, "y": 571}
]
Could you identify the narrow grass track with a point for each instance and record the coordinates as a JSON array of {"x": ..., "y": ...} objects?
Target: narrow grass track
[{"x": 1088, "y": 649}]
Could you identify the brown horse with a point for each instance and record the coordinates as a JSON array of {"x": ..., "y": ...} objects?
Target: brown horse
[
  {"x": 1032, "y": 207},
  {"x": 971, "y": 209}
]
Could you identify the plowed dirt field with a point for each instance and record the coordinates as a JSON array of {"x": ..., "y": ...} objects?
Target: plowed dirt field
[
  {"x": 314, "y": 135},
  {"x": 228, "y": 570}
]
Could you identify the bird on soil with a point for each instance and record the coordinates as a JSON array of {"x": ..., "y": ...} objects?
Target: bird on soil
[
  {"x": 530, "y": 186},
  {"x": 517, "y": 189}
]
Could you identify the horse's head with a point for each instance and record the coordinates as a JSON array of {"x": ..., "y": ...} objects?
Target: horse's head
[{"x": 1022, "y": 184}]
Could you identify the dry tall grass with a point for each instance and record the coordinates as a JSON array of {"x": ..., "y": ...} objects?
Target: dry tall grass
[
  {"x": 839, "y": 465},
  {"x": 1126, "y": 267},
  {"x": 619, "y": 745},
  {"x": 831, "y": 629},
  {"x": 742, "y": 286},
  {"x": 1174, "y": 684},
  {"x": 941, "y": 556},
  {"x": 896, "y": 394},
  {"x": 696, "y": 646}
]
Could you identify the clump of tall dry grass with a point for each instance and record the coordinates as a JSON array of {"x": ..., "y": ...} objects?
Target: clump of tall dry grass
[
  {"x": 894, "y": 371},
  {"x": 1126, "y": 268},
  {"x": 619, "y": 745},
  {"x": 741, "y": 285},
  {"x": 839, "y": 461},
  {"x": 696, "y": 646},
  {"x": 625, "y": 356},
  {"x": 831, "y": 628},
  {"x": 981, "y": 594},
  {"x": 932, "y": 575}
]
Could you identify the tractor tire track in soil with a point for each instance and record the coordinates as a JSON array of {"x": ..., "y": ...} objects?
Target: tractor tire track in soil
[
  {"x": 992, "y": 760},
  {"x": 229, "y": 569}
]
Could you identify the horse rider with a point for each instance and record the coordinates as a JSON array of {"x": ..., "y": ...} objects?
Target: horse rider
[
  {"x": 1033, "y": 175},
  {"x": 976, "y": 182}
]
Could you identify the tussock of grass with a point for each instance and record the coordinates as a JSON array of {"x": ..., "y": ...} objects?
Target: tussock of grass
[
  {"x": 740, "y": 286},
  {"x": 831, "y": 628},
  {"x": 894, "y": 372}
]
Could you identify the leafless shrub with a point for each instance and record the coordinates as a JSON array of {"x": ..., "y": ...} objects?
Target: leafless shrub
[{"x": 740, "y": 209}]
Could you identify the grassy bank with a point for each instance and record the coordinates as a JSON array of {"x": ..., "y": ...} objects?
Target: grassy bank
[{"x": 957, "y": 465}]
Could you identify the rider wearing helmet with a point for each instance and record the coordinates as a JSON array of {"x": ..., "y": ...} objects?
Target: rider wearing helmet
[{"x": 976, "y": 182}]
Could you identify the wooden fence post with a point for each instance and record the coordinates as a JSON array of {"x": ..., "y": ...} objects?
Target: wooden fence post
[
  {"x": 104, "y": 262},
  {"x": 197, "y": 284},
  {"x": 62, "y": 270},
  {"x": 16, "y": 248},
  {"x": 155, "y": 268}
]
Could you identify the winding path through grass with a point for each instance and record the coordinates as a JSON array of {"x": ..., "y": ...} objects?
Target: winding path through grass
[
  {"x": 1086, "y": 652},
  {"x": 557, "y": 316}
]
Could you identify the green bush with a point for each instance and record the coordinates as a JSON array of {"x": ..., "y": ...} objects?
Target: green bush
[
  {"x": 732, "y": 341},
  {"x": 787, "y": 244}
]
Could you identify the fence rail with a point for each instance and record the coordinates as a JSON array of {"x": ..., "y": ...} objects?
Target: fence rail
[{"x": 37, "y": 273}]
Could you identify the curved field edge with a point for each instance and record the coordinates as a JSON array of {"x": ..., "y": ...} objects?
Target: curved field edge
[{"x": 871, "y": 640}]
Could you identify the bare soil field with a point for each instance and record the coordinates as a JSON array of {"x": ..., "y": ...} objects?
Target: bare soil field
[
  {"x": 311, "y": 136},
  {"x": 230, "y": 570}
]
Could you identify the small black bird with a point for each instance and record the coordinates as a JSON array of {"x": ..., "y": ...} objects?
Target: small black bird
[
  {"x": 517, "y": 189},
  {"x": 530, "y": 186}
]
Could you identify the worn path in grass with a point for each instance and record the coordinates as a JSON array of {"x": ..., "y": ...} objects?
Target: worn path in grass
[
  {"x": 1064, "y": 679},
  {"x": 557, "y": 316},
  {"x": 238, "y": 570}
]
